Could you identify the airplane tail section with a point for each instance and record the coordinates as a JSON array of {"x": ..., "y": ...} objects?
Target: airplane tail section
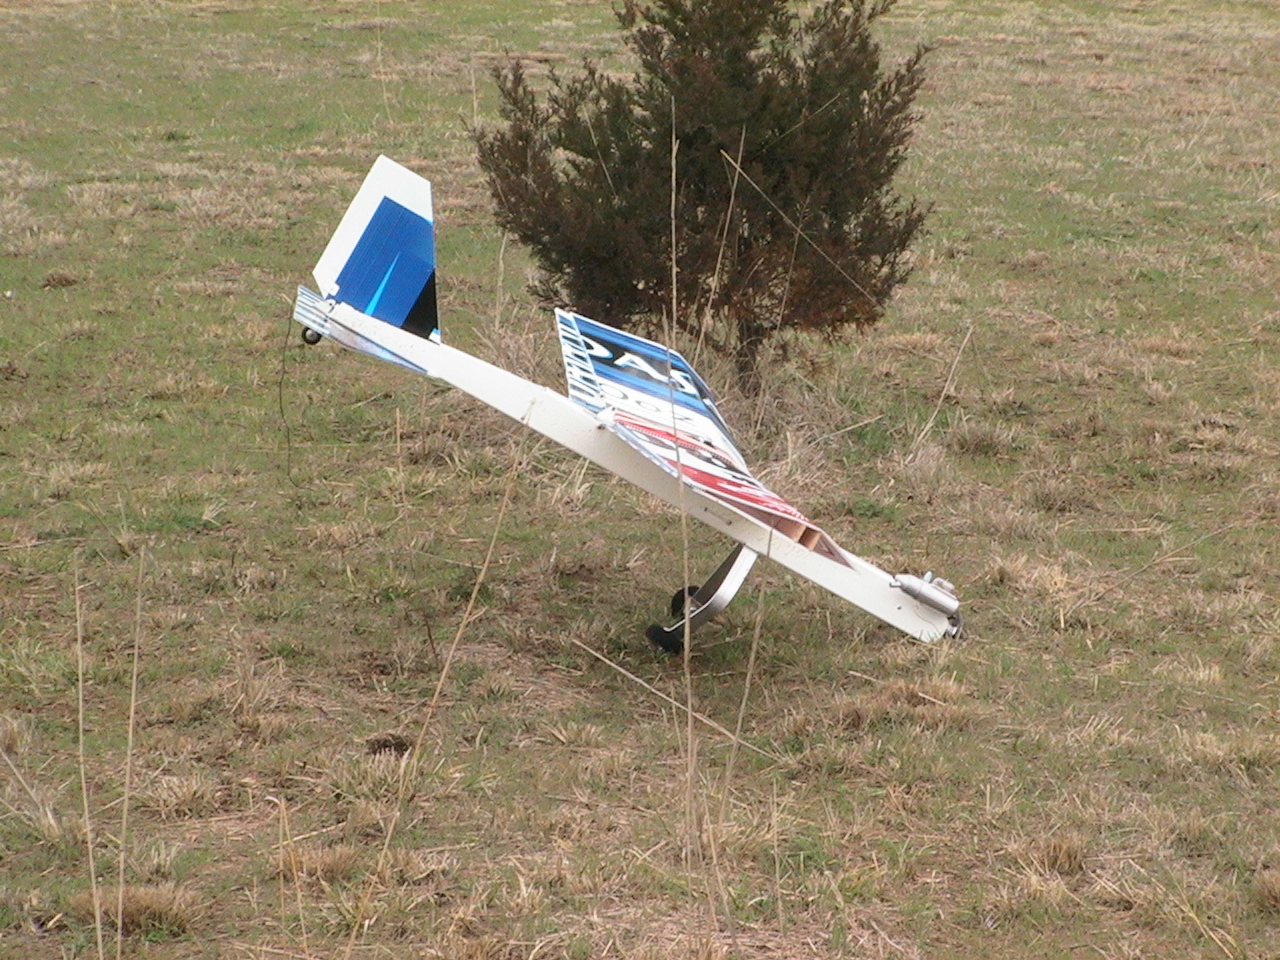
[{"x": 381, "y": 261}]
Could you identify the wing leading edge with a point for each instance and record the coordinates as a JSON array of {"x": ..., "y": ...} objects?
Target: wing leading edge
[{"x": 634, "y": 407}]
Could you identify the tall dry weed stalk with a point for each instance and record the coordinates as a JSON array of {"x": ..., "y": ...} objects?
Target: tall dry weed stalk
[
  {"x": 128, "y": 758},
  {"x": 84, "y": 783}
]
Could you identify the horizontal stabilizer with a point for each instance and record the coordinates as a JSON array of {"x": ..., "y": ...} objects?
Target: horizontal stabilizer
[{"x": 325, "y": 317}]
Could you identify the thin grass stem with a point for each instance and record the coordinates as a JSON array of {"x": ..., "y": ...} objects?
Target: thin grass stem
[
  {"x": 95, "y": 891},
  {"x": 128, "y": 757}
]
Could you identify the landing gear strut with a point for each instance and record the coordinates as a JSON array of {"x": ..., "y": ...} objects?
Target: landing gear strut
[{"x": 694, "y": 605}]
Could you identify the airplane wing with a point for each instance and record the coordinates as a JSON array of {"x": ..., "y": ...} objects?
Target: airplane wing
[
  {"x": 634, "y": 407},
  {"x": 650, "y": 396}
]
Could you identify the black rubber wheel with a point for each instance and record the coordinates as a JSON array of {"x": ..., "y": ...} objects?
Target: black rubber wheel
[
  {"x": 310, "y": 336},
  {"x": 670, "y": 644}
]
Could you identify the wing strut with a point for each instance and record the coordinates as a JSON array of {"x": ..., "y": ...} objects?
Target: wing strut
[{"x": 695, "y": 606}]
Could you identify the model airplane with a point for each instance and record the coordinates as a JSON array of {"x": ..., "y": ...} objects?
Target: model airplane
[{"x": 634, "y": 407}]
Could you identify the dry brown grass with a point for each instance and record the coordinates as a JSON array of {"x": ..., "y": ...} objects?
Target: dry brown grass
[
  {"x": 186, "y": 387},
  {"x": 178, "y": 796},
  {"x": 979, "y": 439},
  {"x": 41, "y": 811},
  {"x": 1062, "y": 853},
  {"x": 63, "y": 479},
  {"x": 15, "y": 734},
  {"x": 1244, "y": 753},
  {"x": 336, "y": 864},
  {"x": 22, "y": 231},
  {"x": 144, "y": 909},
  {"x": 927, "y": 703},
  {"x": 1266, "y": 891},
  {"x": 154, "y": 862}
]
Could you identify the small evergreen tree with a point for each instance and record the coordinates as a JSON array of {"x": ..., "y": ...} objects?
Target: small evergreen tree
[{"x": 748, "y": 163}]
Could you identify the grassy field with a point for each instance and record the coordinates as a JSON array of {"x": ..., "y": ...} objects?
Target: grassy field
[{"x": 232, "y": 568}]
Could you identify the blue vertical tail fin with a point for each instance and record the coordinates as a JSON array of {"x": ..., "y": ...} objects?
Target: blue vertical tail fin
[{"x": 381, "y": 260}]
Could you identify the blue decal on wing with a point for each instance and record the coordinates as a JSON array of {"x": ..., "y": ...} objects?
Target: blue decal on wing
[{"x": 639, "y": 364}]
